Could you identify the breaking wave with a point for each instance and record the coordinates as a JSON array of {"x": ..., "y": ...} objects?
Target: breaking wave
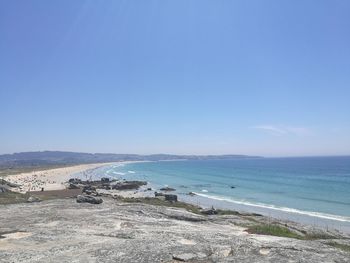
[{"x": 278, "y": 208}]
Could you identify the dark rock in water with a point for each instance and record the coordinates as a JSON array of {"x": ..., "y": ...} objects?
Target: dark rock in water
[
  {"x": 73, "y": 186},
  {"x": 170, "y": 198},
  {"x": 233, "y": 186},
  {"x": 149, "y": 189},
  {"x": 158, "y": 194},
  {"x": 168, "y": 189},
  {"x": 33, "y": 199},
  {"x": 191, "y": 194},
  {"x": 89, "y": 199},
  {"x": 104, "y": 179}
]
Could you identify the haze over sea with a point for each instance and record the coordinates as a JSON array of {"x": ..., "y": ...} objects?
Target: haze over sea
[{"x": 311, "y": 189}]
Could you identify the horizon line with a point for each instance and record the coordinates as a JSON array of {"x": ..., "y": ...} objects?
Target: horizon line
[{"x": 248, "y": 155}]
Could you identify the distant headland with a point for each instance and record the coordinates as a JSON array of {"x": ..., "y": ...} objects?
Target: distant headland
[{"x": 59, "y": 158}]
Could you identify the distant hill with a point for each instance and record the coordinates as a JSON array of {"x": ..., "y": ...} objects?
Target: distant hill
[{"x": 47, "y": 158}]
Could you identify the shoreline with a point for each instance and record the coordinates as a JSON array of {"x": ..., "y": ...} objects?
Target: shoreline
[
  {"x": 56, "y": 179},
  {"x": 303, "y": 219},
  {"x": 312, "y": 219}
]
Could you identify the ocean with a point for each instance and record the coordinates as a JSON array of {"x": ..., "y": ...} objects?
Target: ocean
[{"x": 312, "y": 190}]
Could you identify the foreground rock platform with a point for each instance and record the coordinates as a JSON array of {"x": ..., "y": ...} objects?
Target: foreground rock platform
[{"x": 67, "y": 231}]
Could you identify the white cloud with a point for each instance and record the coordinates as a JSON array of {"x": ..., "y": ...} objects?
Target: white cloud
[{"x": 280, "y": 130}]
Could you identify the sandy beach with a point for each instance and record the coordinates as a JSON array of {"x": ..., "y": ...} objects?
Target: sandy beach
[{"x": 52, "y": 179}]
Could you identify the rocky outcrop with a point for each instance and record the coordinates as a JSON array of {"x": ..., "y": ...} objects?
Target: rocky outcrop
[
  {"x": 105, "y": 180},
  {"x": 167, "y": 197},
  {"x": 89, "y": 199},
  {"x": 6, "y": 186},
  {"x": 7, "y": 183},
  {"x": 115, "y": 231},
  {"x": 73, "y": 186},
  {"x": 33, "y": 199},
  {"x": 211, "y": 211},
  {"x": 105, "y": 183},
  {"x": 74, "y": 181},
  {"x": 128, "y": 185},
  {"x": 170, "y": 198},
  {"x": 89, "y": 188}
]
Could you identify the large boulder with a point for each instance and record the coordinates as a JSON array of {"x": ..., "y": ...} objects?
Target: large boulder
[
  {"x": 211, "y": 211},
  {"x": 3, "y": 182},
  {"x": 89, "y": 199},
  {"x": 170, "y": 198},
  {"x": 74, "y": 181},
  {"x": 73, "y": 186},
  {"x": 89, "y": 188},
  {"x": 128, "y": 185},
  {"x": 33, "y": 199},
  {"x": 105, "y": 180}
]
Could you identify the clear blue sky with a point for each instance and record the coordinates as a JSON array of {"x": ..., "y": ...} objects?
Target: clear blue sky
[{"x": 205, "y": 77}]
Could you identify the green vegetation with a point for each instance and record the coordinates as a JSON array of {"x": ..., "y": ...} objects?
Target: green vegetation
[
  {"x": 273, "y": 230},
  {"x": 222, "y": 212},
  {"x": 15, "y": 198},
  {"x": 343, "y": 247},
  {"x": 12, "y": 198},
  {"x": 283, "y": 231},
  {"x": 315, "y": 236}
]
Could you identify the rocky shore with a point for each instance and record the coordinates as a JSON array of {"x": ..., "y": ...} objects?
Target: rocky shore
[{"x": 136, "y": 230}]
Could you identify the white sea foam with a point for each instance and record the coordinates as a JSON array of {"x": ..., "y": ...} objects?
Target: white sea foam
[
  {"x": 118, "y": 165},
  {"x": 284, "y": 209},
  {"x": 131, "y": 172},
  {"x": 205, "y": 191},
  {"x": 119, "y": 173}
]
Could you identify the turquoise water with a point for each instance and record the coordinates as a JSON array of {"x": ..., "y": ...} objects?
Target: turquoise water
[{"x": 318, "y": 187}]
